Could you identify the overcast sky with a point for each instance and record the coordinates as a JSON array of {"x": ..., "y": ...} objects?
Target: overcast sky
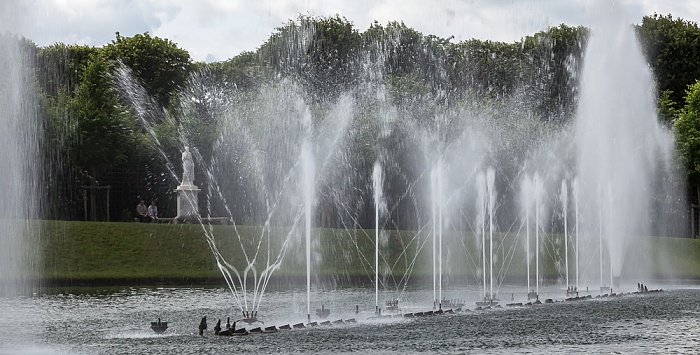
[{"x": 213, "y": 30}]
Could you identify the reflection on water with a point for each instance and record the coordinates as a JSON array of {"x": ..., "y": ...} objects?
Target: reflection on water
[{"x": 117, "y": 322}]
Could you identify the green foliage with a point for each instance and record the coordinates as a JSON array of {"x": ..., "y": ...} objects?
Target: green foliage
[
  {"x": 327, "y": 56},
  {"x": 672, "y": 48},
  {"x": 60, "y": 66},
  {"x": 667, "y": 108},
  {"x": 321, "y": 52},
  {"x": 549, "y": 63},
  {"x": 161, "y": 66},
  {"x": 240, "y": 72},
  {"x": 104, "y": 135},
  {"x": 687, "y": 129}
]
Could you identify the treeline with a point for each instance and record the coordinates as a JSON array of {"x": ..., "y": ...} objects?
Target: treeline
[{"x": 96, "y": 134}]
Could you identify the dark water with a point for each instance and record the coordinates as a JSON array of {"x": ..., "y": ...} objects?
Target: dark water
[{"x": 117, "y": 323}]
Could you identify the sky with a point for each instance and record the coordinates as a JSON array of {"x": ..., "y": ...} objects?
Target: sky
[{"x": 215, "y": 30}]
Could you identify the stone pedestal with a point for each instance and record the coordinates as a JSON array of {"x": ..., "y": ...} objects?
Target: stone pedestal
[{"x": 187, "y": 202}]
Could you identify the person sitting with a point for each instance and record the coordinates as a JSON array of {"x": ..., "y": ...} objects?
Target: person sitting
[
  {"x": 153, "y": 211},
  {"x": 142, "y": 212}
]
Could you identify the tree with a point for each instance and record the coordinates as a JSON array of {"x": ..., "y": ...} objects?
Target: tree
[
  {"x": 161, "y": 66},
  {"x": 667, "y": 108},
  {"x": 59, "y": 67},
  {"x": 321, "y": 52},
  {"x": 104, "y": 132},
  {"x": 549, "y": 61},
  {"x": 672, "y": 48},
  {"x": 687, "y": 129}
]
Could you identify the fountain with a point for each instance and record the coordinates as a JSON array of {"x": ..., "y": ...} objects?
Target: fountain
[
  {"x": 20, "y": 186},
  {"x": 377, "y": 187},
  {"x": 279, "y": 153},
  {"x": 564, "y": 197},
  {"x": 437, "y": 182},
  {"x": 279, "y": 164},
  {"x": 308, "y": 178},
  {"x": 457, "y": 141},
  {"x": 614, "y": 161},
  {"x": 576, "y": 199},
  {"x": 528, "y": 197},
  {"x": 488, "y": 193},
  {"x": 284, "y": 167}
]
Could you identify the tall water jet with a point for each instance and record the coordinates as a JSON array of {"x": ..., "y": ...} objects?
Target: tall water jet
[
  {"x": 309, "y": 177},
  {"x": 377, "y": 181},
  {"x": 618, "y": 139},
  {"x": 600, "y": 239},
  {"x": 576, "y": 212},
  {"x": 20, "y": 160},
  {"x": 440, "y": 212},
  {"x": 491, "y": 194},
  {"x": 437, "y": 205},
  {"x": 564, "y": 197},
  {"x": 537, "y": 187},
  {"x": 433, "y": 205},
  {"x": 481, "y": 222},
  {"x": 525, "y": 199}
]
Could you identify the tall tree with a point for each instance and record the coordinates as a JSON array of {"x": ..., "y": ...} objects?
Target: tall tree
[
  {"x": 160, "y": 64},
  {"x": 672, "y": 48},
  {"x": 104, "y": 131},
  {"x": 321, "y": 52},
  {"x": 687, "y": 129},
  {"x": 59, "y": 67}
]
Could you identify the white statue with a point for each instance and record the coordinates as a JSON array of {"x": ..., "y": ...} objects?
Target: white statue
[{"x": 187, "y": 168}]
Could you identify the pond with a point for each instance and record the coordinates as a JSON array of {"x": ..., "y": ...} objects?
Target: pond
[{"x": 116, "y": 321}]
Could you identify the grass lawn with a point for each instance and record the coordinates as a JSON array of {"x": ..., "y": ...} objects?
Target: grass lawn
[{"x": 77, "y": 253}]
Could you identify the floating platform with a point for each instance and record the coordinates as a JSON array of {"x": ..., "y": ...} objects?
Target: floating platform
[
  {"x": 233, "y": 332},
  {"x": 323, "y": 312},
  {"x": 489, "y": 300},
  {"x": 258, "y": 330},
  {"x": 159, "y": 327},
  {"x": 250, "y": 317},
  {"x": 487, "y": 303},
  {"x": 642, "y": 288},
  {"x": 579, "y": 298},
  {"x": 230, "y": 329},
  {"x": 392, "y": 306},
  {"x": 445, "y": 303}
]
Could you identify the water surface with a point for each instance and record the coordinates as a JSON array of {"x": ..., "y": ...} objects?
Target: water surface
[{"x": 117, "y": 322}]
